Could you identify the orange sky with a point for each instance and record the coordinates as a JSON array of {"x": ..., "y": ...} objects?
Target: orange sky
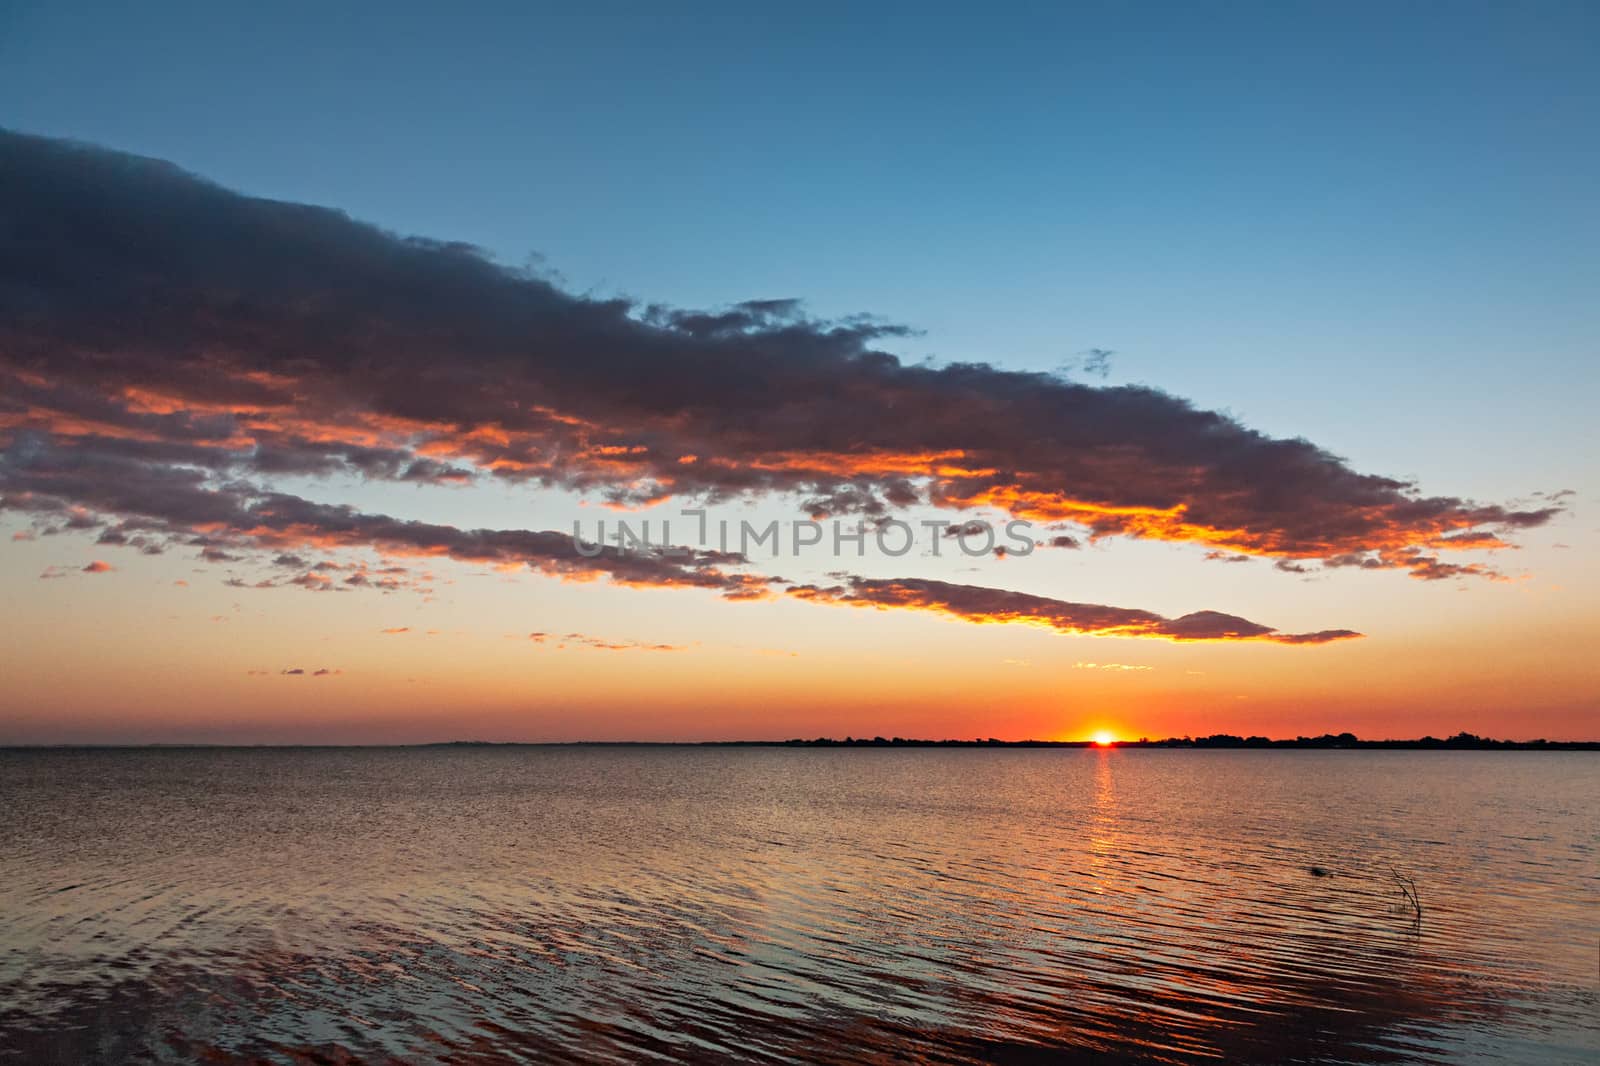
[{"x": 127, "y": 655}]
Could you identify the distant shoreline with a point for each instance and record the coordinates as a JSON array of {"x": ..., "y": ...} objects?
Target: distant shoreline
[{"x": 1217, "y": 742}]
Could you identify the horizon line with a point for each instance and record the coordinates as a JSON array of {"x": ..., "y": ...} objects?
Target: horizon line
[{"x": 1462, "y": 741}]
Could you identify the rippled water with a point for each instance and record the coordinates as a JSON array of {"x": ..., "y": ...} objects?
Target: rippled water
[{"x": 759, "y": 904}]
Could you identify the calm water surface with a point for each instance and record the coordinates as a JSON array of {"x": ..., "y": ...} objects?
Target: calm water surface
[{"x": 753, "y": 904}]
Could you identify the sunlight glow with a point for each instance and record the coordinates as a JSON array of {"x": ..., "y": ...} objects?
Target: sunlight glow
[{"x": 1104, "y": 738}]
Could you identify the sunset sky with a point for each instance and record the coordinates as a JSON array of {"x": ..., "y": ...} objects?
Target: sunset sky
[{"x": 319, "y": 332}]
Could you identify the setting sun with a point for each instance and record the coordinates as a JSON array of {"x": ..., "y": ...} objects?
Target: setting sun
[{"x": 1104, "y": 738}]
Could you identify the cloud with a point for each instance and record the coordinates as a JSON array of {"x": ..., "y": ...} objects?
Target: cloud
[
  {"x": 395, "y": 630},
  {"x": 1097, "y": 361},
  {"x": 214, "y": 342},
  {"x": 98, "y": 567},
  {"x": 971, "y": 528},
  {"x": 973, "y": 603},
  {"x": 1110, "y": 666},
  {"x": 583, "y": 640}
]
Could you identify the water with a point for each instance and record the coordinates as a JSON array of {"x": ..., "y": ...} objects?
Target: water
[{"x": 494, "y": 905}]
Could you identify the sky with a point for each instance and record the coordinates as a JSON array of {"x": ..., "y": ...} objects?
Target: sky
[{"x": 328, "y": 339}]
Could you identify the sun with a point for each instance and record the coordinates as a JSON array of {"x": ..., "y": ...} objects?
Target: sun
[{"x": 1104, "y": 738}]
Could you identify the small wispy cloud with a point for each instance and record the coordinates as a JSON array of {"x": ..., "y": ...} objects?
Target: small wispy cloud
[{"x": 583, "y": 640}]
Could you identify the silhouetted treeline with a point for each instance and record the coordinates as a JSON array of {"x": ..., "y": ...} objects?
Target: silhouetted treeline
[{"x": 1461, "y": 741}]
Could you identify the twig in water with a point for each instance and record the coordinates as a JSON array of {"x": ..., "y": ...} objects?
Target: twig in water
[{"x": 1408, "y": 889}]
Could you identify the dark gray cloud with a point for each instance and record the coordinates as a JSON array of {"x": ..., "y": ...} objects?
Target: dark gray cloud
[
  {"x": 205, "y": 336},
  {"x": 973, "y": 603}
]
